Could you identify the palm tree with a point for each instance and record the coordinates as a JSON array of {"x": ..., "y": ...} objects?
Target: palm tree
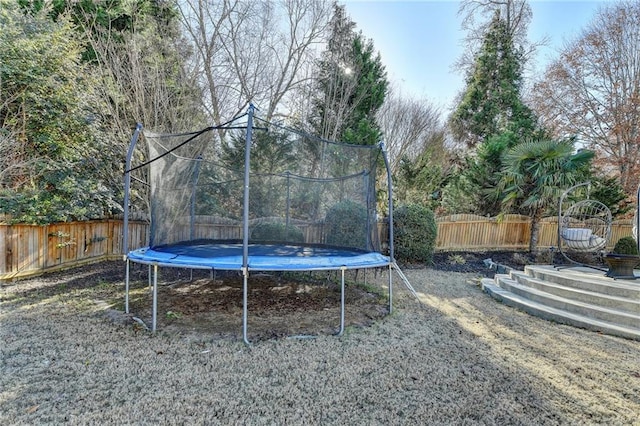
[{"x": 534, "y": 175}]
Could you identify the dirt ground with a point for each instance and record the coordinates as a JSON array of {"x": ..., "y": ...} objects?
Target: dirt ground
[{"x": 279, "y": 304}]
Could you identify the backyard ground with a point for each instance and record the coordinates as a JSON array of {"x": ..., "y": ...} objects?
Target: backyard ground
[{"x": 69, "y": 354}]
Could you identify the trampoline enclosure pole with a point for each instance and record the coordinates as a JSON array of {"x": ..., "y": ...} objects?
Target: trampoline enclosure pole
[
  {"x": 245, "y": 206},
  {"x": 390, "y": 192},
  {"x": 391, "y": 248},
  {"x": 245, "y": 223},
  {"x": 287, "y": 218},
  {"x": 125, "y": 207},
  {"x": 192, "y": 210},
  {"x": 127, "y": 186}
]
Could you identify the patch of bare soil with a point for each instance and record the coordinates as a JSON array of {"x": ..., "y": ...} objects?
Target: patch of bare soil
[
  {"x": 279, "y": 304},
  {"x": 475, "y": 262}
]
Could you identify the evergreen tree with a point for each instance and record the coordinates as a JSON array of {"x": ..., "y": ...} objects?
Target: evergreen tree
[
  {"x": 109, "y": 18},
  {"x": 50, "y": 163},
  {"x": 272, "y": 154},
  {"x": 351, "y": 87},
  {"x": 491, "y": 114},
  {"x": 491, "y": 102}
]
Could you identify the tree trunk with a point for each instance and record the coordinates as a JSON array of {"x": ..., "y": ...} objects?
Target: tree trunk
[{"x": 535, "y": 231}]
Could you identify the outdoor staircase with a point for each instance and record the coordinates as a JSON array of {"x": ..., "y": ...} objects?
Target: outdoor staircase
[{"x": 578, "y": 296}]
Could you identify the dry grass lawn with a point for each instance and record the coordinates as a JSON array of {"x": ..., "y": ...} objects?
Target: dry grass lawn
[{"x": 68, "y": 356}]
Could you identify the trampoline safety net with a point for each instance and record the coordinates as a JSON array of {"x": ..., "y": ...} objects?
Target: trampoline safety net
[{"x": 302, "y": 190}]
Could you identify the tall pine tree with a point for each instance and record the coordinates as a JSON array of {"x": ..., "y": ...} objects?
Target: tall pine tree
[
  {"x": 491, "y": 117},
  {"x": 491, "y": 103},
  {"x": 351, "y": 87}
]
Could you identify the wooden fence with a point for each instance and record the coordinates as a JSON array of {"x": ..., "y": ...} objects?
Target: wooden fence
[
  {"x": 28, "y": 250},
  {"x": 469, "y": 232}
]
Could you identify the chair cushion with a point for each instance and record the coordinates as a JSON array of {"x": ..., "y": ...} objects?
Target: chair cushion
[
  {"x": 582, "y": 239},
  {"x": 576, "y": 234}
]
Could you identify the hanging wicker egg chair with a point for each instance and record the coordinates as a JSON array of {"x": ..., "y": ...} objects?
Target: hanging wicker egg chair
[{"x": 583, "y": 226}]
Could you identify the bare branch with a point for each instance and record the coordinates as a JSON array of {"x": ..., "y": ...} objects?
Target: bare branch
[
  {"x": 593, "y": 90},
  {"x": 408, "y": 126},
  {"x": 252, "y": 51}
]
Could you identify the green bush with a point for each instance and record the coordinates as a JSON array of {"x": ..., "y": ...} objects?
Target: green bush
[
  {"x": 626, "y": 245},
  {"x": 414, "y": 233},
  {"x": 346, "y": 225},
  {"x": 277, "y": 232}
]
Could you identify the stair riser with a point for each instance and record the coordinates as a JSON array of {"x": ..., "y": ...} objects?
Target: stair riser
[
  {"x": 620, "y": 318},
  {"x": 630, "y": 306},
  {"x": 627, "y": 293},
  {"x": 560, "y": 318}
]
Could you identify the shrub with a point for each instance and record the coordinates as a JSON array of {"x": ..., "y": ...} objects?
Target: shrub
[
  {"x": 346, "y": 225},
  {"x": 414, "y": 233},
  {"x": 277, "y": 232},
  {"x": 626, "y": 245}
]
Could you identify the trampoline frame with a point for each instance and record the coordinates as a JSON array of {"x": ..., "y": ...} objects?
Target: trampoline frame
[{"x": 245, "y": 266}]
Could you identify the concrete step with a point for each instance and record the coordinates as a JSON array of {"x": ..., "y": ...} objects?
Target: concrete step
[
  {"x": 586, "y": 279},
  {"x": 603, "y": 299},
  {"x": 558, "y": 315},
  {"x": 610, "y": 315}
]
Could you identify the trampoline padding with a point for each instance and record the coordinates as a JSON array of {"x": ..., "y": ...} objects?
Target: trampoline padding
[{"x": 262, "y": 257}]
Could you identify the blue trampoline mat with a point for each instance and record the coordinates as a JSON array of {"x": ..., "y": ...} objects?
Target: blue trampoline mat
[{"x": 262, "y": 257}]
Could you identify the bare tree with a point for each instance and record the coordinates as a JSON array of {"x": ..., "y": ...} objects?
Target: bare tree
[
  {"x": 408, "y": 126},
  {"x": 252, "y": 51},
  {"x": 141, "y": 75},
  {"x": 516, "y": 13},
  {"x": 139, "y": 84},
  {"x": 592, "y": 91}
]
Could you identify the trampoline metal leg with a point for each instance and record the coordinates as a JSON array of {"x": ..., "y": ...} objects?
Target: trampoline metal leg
[
  {"x": 245, "y": 310},
  {"x": 126, "y": 288},
  {"x": 390, "y": 290},
  {"x": 155, "y": 299},
  {"x": 341, "y": 302}
]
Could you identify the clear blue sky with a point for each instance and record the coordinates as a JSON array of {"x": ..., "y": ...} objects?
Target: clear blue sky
[{"x": 419, "y": 40}]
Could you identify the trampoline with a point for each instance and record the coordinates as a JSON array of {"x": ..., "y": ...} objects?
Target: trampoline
[{"x": 263, "y": 199}]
